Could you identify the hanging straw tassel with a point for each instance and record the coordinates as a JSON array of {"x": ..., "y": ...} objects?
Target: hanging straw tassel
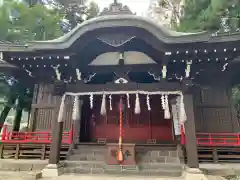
[
  {"x": 103, "y": 106},
  {"x": 128, "y": 100},
  {"x": 137, "y": 105},
  {"x": 110, "y": 102},
  {"x": 182, "y": 112},
  {"x": 163, "y": 102},
  {"x": 76, "y": 113},
  {"x": 91, "y": 100},
  {"x": 166, "y": 110},
  {"x": 148, "y": 103},
  {"x": 61, "y": 109}
]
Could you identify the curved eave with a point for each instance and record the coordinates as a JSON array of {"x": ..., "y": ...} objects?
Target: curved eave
[
  {"x": 6, "y": 67},
  {"x": 165, "y": 35}
]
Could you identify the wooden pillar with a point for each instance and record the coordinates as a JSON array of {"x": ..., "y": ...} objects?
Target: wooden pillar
[
  {"x": 56, "y": 143},
  {"x": 190, "y": 131},
  {"x": 57, "y": 131}
]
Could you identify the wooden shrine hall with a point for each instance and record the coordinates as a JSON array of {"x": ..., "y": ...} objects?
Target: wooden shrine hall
[{"x": 122, "y": 82}]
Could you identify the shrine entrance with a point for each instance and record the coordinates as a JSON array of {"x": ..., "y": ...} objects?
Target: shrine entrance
[{"x": 148, "y": 125}]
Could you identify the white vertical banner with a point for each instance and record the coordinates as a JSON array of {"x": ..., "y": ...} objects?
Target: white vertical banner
[{"x": 176, "y": 121}]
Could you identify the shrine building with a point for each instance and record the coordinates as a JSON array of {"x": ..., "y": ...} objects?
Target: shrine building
[{"x": 138, "y": 91}]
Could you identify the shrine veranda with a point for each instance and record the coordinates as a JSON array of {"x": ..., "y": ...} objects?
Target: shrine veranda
[{"x": 122, "y": 80}]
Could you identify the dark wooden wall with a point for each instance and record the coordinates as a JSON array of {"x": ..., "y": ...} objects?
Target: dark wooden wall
[
  {"x": 45, "y": 108},
  {"x": 214, "y": 110}
]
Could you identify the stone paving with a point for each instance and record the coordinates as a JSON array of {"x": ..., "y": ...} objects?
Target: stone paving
[{"x": 10, "y": 175}]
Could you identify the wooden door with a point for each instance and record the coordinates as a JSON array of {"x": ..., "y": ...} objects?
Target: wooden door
[{"x": 136, "y": 128}]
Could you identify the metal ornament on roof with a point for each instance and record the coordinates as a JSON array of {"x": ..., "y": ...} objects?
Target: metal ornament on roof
[
  {"x": 115, "y": 40},
  {"x": 115, "y": 9}
]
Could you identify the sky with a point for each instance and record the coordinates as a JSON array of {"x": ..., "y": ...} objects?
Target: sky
[{"x": 138, "y": 6}]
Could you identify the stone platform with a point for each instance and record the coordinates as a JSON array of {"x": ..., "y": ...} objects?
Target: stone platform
[{"x": 22, "y": 165}]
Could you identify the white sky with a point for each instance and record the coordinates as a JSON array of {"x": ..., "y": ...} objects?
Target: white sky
[{"x": 138, "y": 6}]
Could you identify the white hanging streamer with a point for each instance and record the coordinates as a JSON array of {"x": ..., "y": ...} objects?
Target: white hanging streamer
[
  {"x": 182, "y": 112},
  {"x": 91, "y": 100},
  {"x": 128, "y": 101},
  {"x": 163, "y": 102},
  {"x": 166, "y": 110},
  {"x": 103, "y": 106},
  {"x": 148, "y": 103},
  {"x": 137, "y": 105},
  {"x": 76, "y": 113},
  {"x": 110, "y": 102},
  {"x": 176, "y": 122},
  {"x": 61, "y": 109}
]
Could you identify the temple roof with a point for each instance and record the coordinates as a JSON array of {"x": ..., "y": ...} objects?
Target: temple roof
[{"x": 119, "y": 16}]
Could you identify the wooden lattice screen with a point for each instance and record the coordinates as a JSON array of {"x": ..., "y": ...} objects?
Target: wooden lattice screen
[{"x": 45, "y": 108}]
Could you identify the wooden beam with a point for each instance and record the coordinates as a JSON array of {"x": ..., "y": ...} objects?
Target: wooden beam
[
  {"x": 152, "y": 87},
  {"x": 118, "y": 68}
]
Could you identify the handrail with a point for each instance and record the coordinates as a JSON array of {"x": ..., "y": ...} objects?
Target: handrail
[
  {"x": 34, "y": 137},
  {"x": 215, "y": 139}
]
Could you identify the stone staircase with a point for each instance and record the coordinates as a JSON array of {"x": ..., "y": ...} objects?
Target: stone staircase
[{"x": 89, "y": 159}]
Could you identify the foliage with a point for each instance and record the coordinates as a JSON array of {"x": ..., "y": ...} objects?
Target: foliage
[
  {"x": 175, "y": 9},
  {"x": 21, "y": 23},
  {"x": 205, "y": 15},
  {"x": 78, "y": 11}
]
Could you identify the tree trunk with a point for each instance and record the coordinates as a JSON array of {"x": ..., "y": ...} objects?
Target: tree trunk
[
  {"x": 18, "y": 118},
  {"x": 18, "y": 115},
  {"x": 6, "y": 110}
]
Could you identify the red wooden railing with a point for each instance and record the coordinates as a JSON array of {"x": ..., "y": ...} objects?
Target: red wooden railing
[
  {"x": 215, "y": 139},
  {"x": 203, "y": 139},
  {"x": 34, "y": 137}
]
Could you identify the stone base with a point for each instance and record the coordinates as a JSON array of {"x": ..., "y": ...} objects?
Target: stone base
[
  {"x": 194, "y": 174},
  {"x": 53, "y": 170}
]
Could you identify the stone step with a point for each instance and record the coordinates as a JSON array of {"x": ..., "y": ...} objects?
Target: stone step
[
  {"x": 84, "y": 170},
  {"x": 160, "y": 166},
  {"x": 98, "y": 167},
  {"x": 87, "y": 164},
  {"x": 86, "y": 157},
  {"x": 90, "y": 151}
]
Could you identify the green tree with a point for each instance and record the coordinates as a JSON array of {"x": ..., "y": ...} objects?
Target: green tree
[
  {"x": 209, "y": 15},
  {"x": 76, "y": 11},
  {"x": 21, "y": 23}
]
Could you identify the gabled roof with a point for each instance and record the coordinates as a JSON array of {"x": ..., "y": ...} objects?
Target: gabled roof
[
  {"x": 114, "y": 21},
  {"x": 116, "y": 16}
]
